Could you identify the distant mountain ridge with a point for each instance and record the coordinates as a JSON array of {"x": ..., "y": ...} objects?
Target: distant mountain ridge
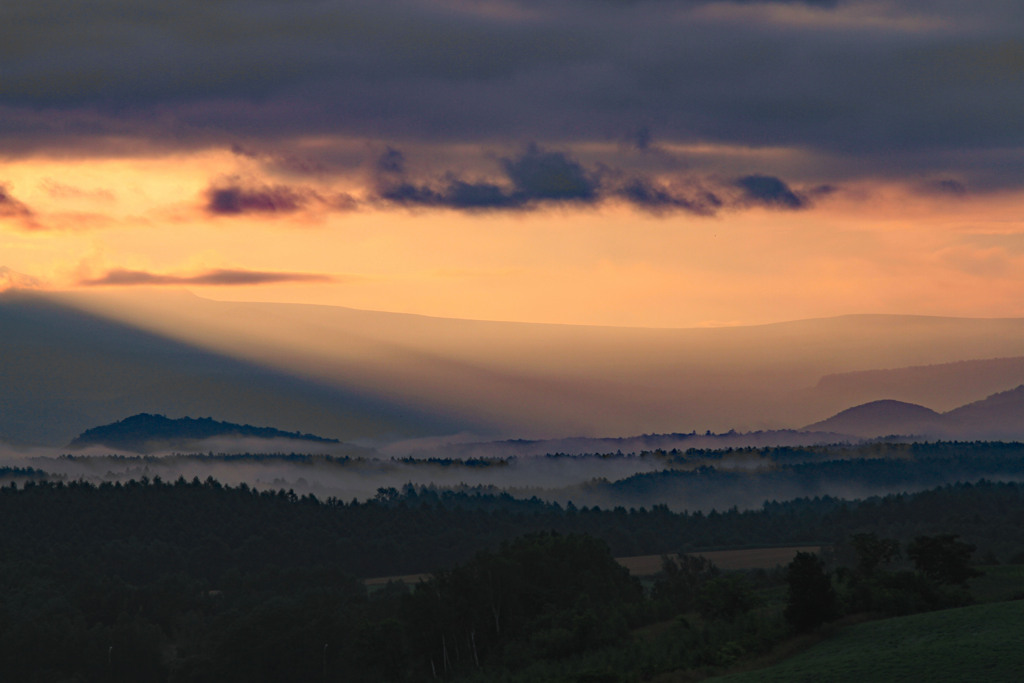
[
  {"x": 141, "y": 433},
  {"x": 70, "y": 361},
  {"x": 942, "y": 386},
  {"x": 997, "y": 417}
]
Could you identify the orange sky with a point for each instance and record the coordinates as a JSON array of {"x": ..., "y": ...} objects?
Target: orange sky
[
  {"x": 870, "y": 247},
  {"x": 709, "y": 162}
]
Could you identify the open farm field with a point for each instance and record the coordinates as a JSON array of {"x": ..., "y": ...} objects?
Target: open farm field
[
  {"x": 409, "y": 579},
  {"x": 999, "y": 583},
  {"x": 746, "y": 558}
]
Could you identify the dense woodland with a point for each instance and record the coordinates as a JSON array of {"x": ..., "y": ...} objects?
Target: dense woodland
[{"x": 196, "y": 581}]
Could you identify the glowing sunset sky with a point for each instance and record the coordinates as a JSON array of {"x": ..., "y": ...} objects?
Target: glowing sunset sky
[{"x": 644, "y": 162}]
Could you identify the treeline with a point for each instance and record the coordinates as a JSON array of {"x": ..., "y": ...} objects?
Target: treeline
[
  {"x": 19, "y": 473},
  {"x": 195, "y": 581},
  {"x": 749, "y": 476},
  {"x": 541, "y": 607},
  {"x": 136, "y": 529}
]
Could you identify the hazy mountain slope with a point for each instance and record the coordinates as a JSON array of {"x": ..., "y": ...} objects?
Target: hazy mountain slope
[
  {"x": 74, "y": 361},
  {"x": 882, "y": 418},
  {"x": 63, "y": 370},
  {"x": 1000, "y": 416},
  {"x": 557, "y": 380},
  {"x": 942, "y": 386}
]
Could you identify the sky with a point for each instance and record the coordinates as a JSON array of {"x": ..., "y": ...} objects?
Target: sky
[{"x": 663, "y": 163}]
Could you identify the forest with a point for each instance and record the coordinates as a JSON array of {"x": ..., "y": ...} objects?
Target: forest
[{"x": 153, "y": 580}]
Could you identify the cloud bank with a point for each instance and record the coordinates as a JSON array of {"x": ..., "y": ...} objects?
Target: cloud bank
[
  {"x": 11, "y": 208},
  {"x": 856, "y": 88},
  {"x": 539, "y": 177}
]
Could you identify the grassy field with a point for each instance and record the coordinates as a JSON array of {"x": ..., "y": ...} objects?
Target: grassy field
[
  {"x": 999, "y": 583},
  {"x": 976, "y": 643}
]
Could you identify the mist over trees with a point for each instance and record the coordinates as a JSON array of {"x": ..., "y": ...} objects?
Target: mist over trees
[
  {"x": 684, "y": 480},
  {"x": 139, "y": 577}
]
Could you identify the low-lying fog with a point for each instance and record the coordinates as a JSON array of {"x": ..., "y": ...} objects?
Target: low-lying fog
[{"x": 683, "y": 480}]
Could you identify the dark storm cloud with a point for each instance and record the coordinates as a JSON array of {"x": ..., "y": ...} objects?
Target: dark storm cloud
[
  {"x": 235, "y": 199},
  {"x": 540, "y": 175},
  {"x": 289, "y": 163},
  {"x": 225, "y": 277},
  {"x": 232, "y": 197},
  {"x": 535, "y": 176},
  {"x": 391, "y": 162},
  {"x": 769, "y": 191},
  {"x": 947, "y": 186},
  {"x": 912, "y": 88},
  {"x": 642, "y": 138},
  {"x": 543, "y": 178},
  {"x": 812, "y": 3},
  {"x": 482, "y": 196},
  {"x": 646, "y": 195},
  {"x": 457, "y": 194}
]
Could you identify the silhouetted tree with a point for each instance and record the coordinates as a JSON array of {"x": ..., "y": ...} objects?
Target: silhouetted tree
[
  {"x": 812, "y": 599},
  {"x": 725, "y": 597},
  {"x": 680, "y": 581},
  {"x": 873, "y": 552},
  {"x": 943, "y": 559}
]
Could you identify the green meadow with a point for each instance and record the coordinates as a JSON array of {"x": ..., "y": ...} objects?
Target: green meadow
[{"x": 976, "y": 643}]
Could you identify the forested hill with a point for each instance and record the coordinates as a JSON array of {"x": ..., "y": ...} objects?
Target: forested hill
[
  {"x": 141, "y": 432},
  {"x": 152, "y": 582},
  {"x": 142, "y": 530}
]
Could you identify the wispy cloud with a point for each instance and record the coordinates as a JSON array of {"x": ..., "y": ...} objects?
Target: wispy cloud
[
  {"x": 122, "y": 277},
  {"x": 655, "y": 198},
  {"x": 15, "y": 209},
  {"x": 10, "y": 279},
  {"x": 59, "y": 190},
  {"x": 233, "y": 197}
]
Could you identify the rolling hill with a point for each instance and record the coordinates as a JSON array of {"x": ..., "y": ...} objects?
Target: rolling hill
[
  {"x": 997, "y": 417},
  {"x": 943, "y": 386},
  {"x": 881, "y": 418},
  {"x": 145, "y": 433}
]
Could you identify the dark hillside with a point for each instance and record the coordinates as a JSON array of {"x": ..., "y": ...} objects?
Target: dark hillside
[
  {"x": 881, "y": 418},
  {"x": 998, "y": 416},
  {"x": 155, "y": 582},
  {"x": 65, "y": 370},
  {"x": 140, "y": 433},
  {"x": 137, "y": 531}
]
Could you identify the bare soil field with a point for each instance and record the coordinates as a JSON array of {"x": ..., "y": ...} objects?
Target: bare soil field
[{"x": 748, "y": 558}]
